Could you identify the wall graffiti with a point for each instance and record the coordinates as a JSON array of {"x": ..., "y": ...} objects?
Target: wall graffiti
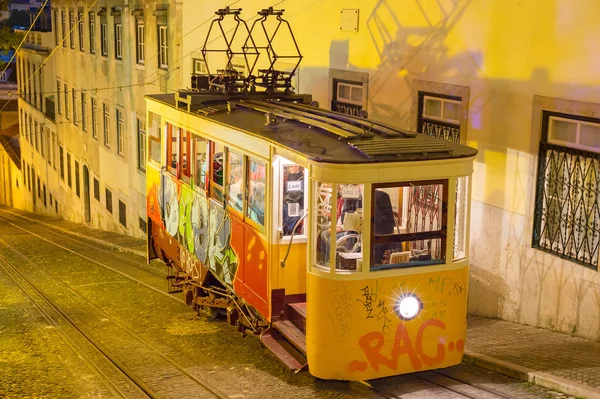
[
  {"x": 372, "y": 344},
  {"x": 202, "y": 228}
]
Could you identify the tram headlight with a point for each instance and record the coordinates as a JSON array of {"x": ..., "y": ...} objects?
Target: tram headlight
[{"x": 408, "y": 306}]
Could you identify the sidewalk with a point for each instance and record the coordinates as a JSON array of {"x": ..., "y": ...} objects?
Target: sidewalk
[{"x": 550, "y": 359}]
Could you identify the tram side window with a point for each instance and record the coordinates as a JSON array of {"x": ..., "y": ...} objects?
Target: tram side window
[
  {"x": 199, "y": 146},
  {"x": 185, "y": 151},
  {"x": 217, "y": 152},
  {"x": 292, "y": 192},
  {"x": 422, "y": 239},
  {"x": 154, "y": 133},
  {"x": 255, "y": 209},
  {"x": 173, "y": 135},
  {"x": 235, "y": 183}
]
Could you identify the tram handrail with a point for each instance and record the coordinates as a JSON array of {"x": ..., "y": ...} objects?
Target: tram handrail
[{"x": 292, "y": 239}]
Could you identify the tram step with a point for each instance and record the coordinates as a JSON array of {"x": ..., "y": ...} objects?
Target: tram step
[
  {"x": 292, "y": 333},
  {"x": 283, "y": 350},
  {"x": 296, "y": 313}
]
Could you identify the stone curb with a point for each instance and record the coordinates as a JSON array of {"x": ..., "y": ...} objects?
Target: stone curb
[
  {"x": 94, "y": 239},
  {"x": 540, "y": 378}
]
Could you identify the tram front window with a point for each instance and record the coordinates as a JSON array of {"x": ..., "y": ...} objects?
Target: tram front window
[{"x": 409, "y": 224}]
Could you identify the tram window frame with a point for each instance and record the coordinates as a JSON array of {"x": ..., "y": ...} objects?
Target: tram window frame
[
  {"x": 250, "y": 194},
  {"x": 232, "y": 204},
  {"x": 216, "y": 190},
  {"x": 401, "y": 238},
  {"x": 171, "y": 129},
  {"x": 184, "y": 155},
  {"x": 199, "y": 177},
  {"x": 285, "y": 222}
]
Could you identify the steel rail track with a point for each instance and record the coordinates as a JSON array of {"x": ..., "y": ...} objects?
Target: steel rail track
[
  {"x": 448, "y": 386},
  {"x": 208, "y": 387},
  {"x": 97, "y": 262},
  {"x": 90, "y": 244},
  {"x": 22, "y": 283}
]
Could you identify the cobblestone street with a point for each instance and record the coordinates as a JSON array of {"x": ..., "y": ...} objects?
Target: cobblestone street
[{"x": 103, "y": 289}]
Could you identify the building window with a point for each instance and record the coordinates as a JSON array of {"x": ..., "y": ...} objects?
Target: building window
[
  {"x": 66, "y": 93},
  {"x": 108, "y": 195},
  {"x": 163, "y": 49},
  {"x": 64, "y": 28},
  {"x": 37, "y": 136},
  {"x": 77, "y": 178},
  {"x": 96, "y": 189},
  {"x": 69, "y": 180},
  {"x": 439, "y": 116},
  {"x": 122, "y": 213},
  {"x": 118, "y": 41},
  {"x": 83, "y": 112},
  {"x": 120, "y": 133},
  {"x": 92, "y": 18},
  {"x": 141, "y": 128},
  {"x": 61, "y": 162},
  {"x": 106, "y": 125},
  {"x": 71, "y": 29},
  {"x": 94, "y": 118},
  {"x": 58, "y": 105},
  {"x": 42, "y": 137},
  {"x": 56, "y": 31},
  {"x": 81, "y": 32},
  {"x": 199, "y": 66},
  {"x": 567, "y": 215},
  {"x": 74, "y": 96},
  {"x": 140, "y": 40},
  {"x": 347, "y": 97},
  {"x": 103, "y": 39},
  {"x": 53, "y": 151},
  {"x": 143, "y": 225}
]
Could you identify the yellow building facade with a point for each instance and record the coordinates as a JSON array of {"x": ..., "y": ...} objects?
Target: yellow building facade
[
  {"x": 513, "y": 79},
  {"x": 86, "y": 105}
]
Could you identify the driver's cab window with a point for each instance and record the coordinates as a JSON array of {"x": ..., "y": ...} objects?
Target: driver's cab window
[
  {"x": 409, "y": 224},
  {"x": 217, "y": 156}
]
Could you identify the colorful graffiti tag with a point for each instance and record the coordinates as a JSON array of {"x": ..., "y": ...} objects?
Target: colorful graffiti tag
[
  {"x": 372, "y": 344},
  {"x": 202, "y": 228}
]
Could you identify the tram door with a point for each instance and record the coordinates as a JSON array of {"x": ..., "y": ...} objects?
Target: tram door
[{"x": 290, "y": 190}]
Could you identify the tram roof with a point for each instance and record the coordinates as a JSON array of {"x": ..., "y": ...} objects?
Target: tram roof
[{"x": 321, "y": 135}]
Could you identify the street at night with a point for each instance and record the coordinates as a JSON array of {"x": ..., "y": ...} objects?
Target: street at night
[{"x": 80, "y": 319}]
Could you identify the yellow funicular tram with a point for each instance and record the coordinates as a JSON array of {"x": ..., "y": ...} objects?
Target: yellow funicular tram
[{"x": 342, "y": 241}]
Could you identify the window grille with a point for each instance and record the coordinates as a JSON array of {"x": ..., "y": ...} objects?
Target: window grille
[
  {"x": 567, "y": 217},
  {"x": 439, "y": 116}
]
